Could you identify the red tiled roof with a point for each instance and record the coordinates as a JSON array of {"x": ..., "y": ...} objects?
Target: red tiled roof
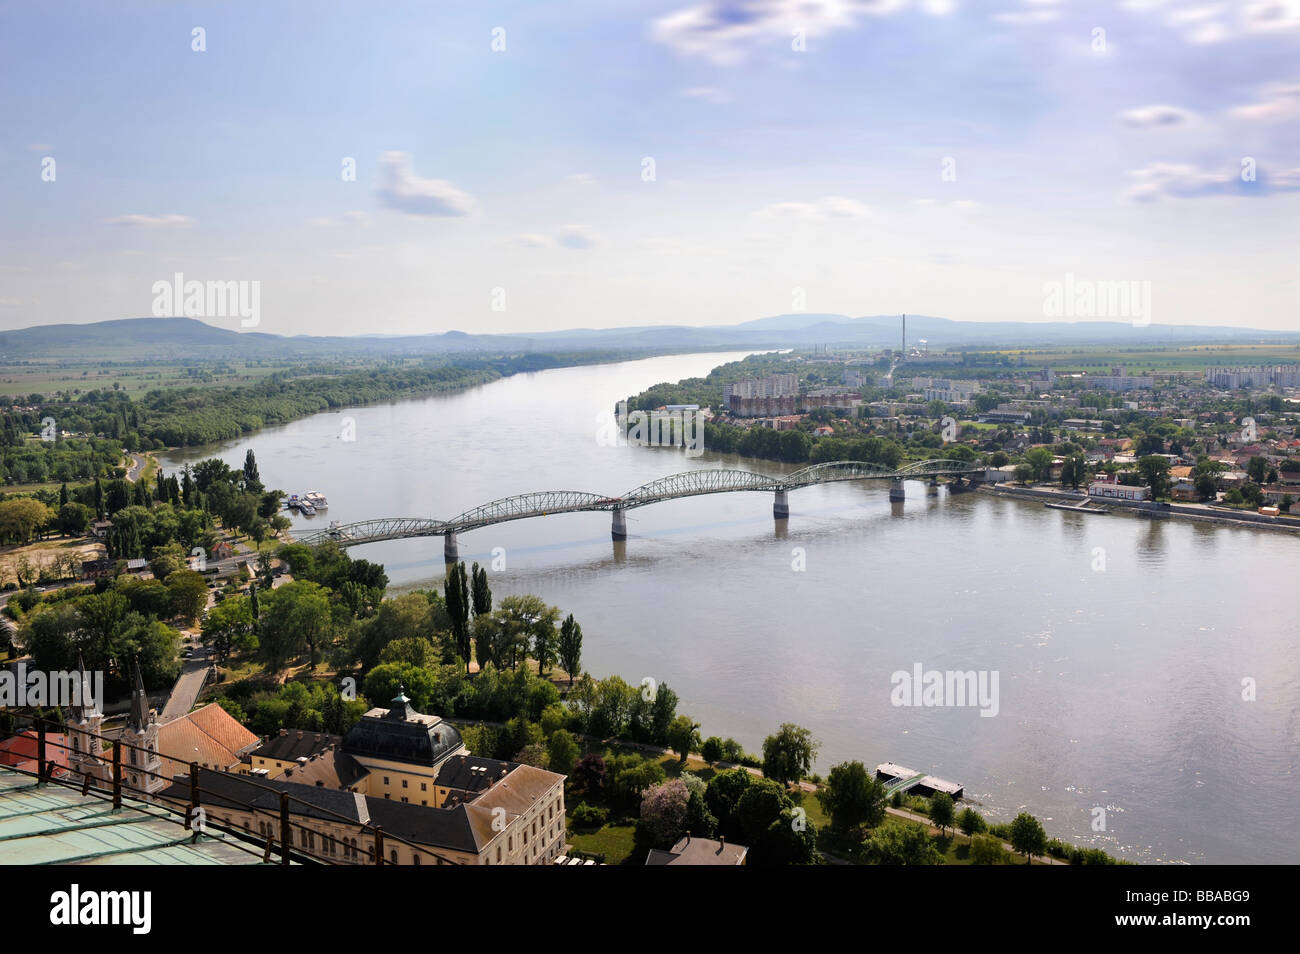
[
  {"x": 209, "y": 736},
  {"x": 20, "y": 750}
]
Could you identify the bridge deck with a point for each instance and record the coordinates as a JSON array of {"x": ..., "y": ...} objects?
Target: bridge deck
[{"x": 691, "y": 483}]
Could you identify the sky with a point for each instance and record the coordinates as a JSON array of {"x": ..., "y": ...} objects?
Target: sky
[{"x": 541, "y": 166}]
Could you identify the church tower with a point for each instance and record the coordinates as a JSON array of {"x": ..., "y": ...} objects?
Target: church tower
[
  {"x": 85, "y": 726},
  {"x": 142, "y": 770}
]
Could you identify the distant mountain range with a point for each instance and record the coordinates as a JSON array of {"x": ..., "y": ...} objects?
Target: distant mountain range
[{"x": 136, "y": 339}]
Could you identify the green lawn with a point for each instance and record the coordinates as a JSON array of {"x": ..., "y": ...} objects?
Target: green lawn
[{"x": 617, "y": 842}]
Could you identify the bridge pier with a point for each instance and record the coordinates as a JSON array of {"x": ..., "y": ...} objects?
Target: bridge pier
[
  {"x": 619, "y": 528},
  {"x": 934, "y": 485},
  {"x": 450, "y": 552},
  {"x": 781, "y": 507},
  {"x": 896, "y": 491}
]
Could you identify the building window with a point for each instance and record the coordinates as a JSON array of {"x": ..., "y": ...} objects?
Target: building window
[
  {"x": 403, "y": 799},
  {"x": 424, "y": 786},
  {"x": 394, "y": 855},
  {"x": 385, "y": 779},
  {"x": 415, "y": 858},
  {"x": 403, "y": 783}
]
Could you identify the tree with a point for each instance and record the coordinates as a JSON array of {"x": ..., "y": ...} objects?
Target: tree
[
  {"x": 723, "y": 793},
  {"x": 252, "y": 480},
  {"x": 663, "y": 813},
  {"x": 683, "y": 736},
  {"x": 457, "y": 597},
  {"x": 189, "y": 593},
  {"x": 852, "y": 796},
  {"x": 1027, "y": 836},
  {"x": 405, "y": 617},
  {"x": 413, "y": 650},
  {"x": 21, "y": 517},
  {"x": 711, "y": 751},
  {"x": 563, "y": 752},
  {"x": 1149, "y": 444},
  {"x": 590, "y": 772},
  {"x": 526, "y": 618},
  {"x": 295, "y": 616},
  {"x": 570, "y": 647},
  {"x": 901, "y": 845},
  {"x": 1074, "y": 471},
  {"x": 74, "y": 518},
  {"x": 941, "y": 811},
  {"x": 1155, "y": 473},
  {"x": 986, "y": 850},
  {"x": 971, "y": 822},
  {"x": 788, "y": 755},
  {"x": 1024, "y": 474},
  {"x": 758, "y": 806},
  {"x": 166, "y": 560},
  {"x": 482, "y": 593},
  {"x": 1039, "y": 460},
  {"x": 229, "y": 626},
  {"x": 1257, "y": 469}
]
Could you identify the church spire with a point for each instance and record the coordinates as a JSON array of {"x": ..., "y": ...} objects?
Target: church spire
[
  {"x": 139, "y": 701},
  {"x": 86, "y": 704}
]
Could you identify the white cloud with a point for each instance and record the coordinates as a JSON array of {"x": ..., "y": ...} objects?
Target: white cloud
[
  {"x": 725, "y": 31},
  {"x": 400, "y": 189},
  {"x": 827, "y": 207},
  {"x": 355, "y": 218},
  {"x": 582, "y": 178},
  {"x": 1180, "y": 181},
  {"x": 576, "y": 237},
  {"x": 531, "y": 240},
  {"x": 1203, "y": 23},
  {"x": 1281, "y": 101},
  {"x": 1151, "y": 117},
  {"x": 169, "y": 221},
  {"x": 710, "y": 94}
]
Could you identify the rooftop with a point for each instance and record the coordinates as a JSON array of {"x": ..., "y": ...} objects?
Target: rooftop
[
  {"x": 698, "y": 851},
  {"x": 400, "y": 734},
  {"x": 56, "y": 824}
]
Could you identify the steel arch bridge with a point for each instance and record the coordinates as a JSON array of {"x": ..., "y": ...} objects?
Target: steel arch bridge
[{"x": 691, "y": 483}]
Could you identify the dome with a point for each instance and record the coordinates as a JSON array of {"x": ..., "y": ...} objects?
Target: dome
[{"x": 400, "y": 734}]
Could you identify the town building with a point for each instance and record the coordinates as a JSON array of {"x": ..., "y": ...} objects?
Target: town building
[
  {"x": 699, "y": 851},
  {"x": 1111, "y": 489},
  {"x": 402, "y": 771}
]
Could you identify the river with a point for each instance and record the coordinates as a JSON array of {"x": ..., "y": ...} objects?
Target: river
[{"x": 1120, "y": 645}]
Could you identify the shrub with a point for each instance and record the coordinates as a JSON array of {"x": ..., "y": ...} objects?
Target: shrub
[{"x": 589, "y": 816}]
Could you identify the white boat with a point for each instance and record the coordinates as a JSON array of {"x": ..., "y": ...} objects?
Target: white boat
[
  {"x": 316, "y": 499},
  {"x": 306, "y": 508}
]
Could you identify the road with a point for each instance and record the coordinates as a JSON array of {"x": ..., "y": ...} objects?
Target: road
[
  {"x": 136, "y": 466},
  {"x": 186, "y": 691}
]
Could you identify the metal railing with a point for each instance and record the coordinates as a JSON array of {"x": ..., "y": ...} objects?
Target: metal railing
[{"x": 114, "y": 788}]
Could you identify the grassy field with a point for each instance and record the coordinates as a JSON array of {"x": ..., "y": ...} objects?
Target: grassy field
[
  {"x": 41, "y": 552},
  {"x": 1192, "y": 358}
]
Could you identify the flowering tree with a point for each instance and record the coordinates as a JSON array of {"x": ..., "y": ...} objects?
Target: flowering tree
[{"x": 663, "y": 812}]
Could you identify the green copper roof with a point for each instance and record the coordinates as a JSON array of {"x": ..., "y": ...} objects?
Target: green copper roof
[{"x": 56, "y": 824}]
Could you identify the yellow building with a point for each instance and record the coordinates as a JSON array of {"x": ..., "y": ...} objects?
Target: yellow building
[{"x": 404, "y": 772}]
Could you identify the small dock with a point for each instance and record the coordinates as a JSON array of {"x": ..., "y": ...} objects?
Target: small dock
[
  {"x": 1083, "y": 506},
  {"x": 898, "y": 778}
]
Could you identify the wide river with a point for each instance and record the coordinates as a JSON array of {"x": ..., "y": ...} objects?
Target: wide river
[{"x": 1121, "y": 646}]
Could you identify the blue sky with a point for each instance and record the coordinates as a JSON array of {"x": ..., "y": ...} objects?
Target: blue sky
[{"x": 799, "y": 154}]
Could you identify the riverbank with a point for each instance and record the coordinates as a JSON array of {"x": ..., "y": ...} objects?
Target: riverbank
[{"x": 1195, "y": 512}]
